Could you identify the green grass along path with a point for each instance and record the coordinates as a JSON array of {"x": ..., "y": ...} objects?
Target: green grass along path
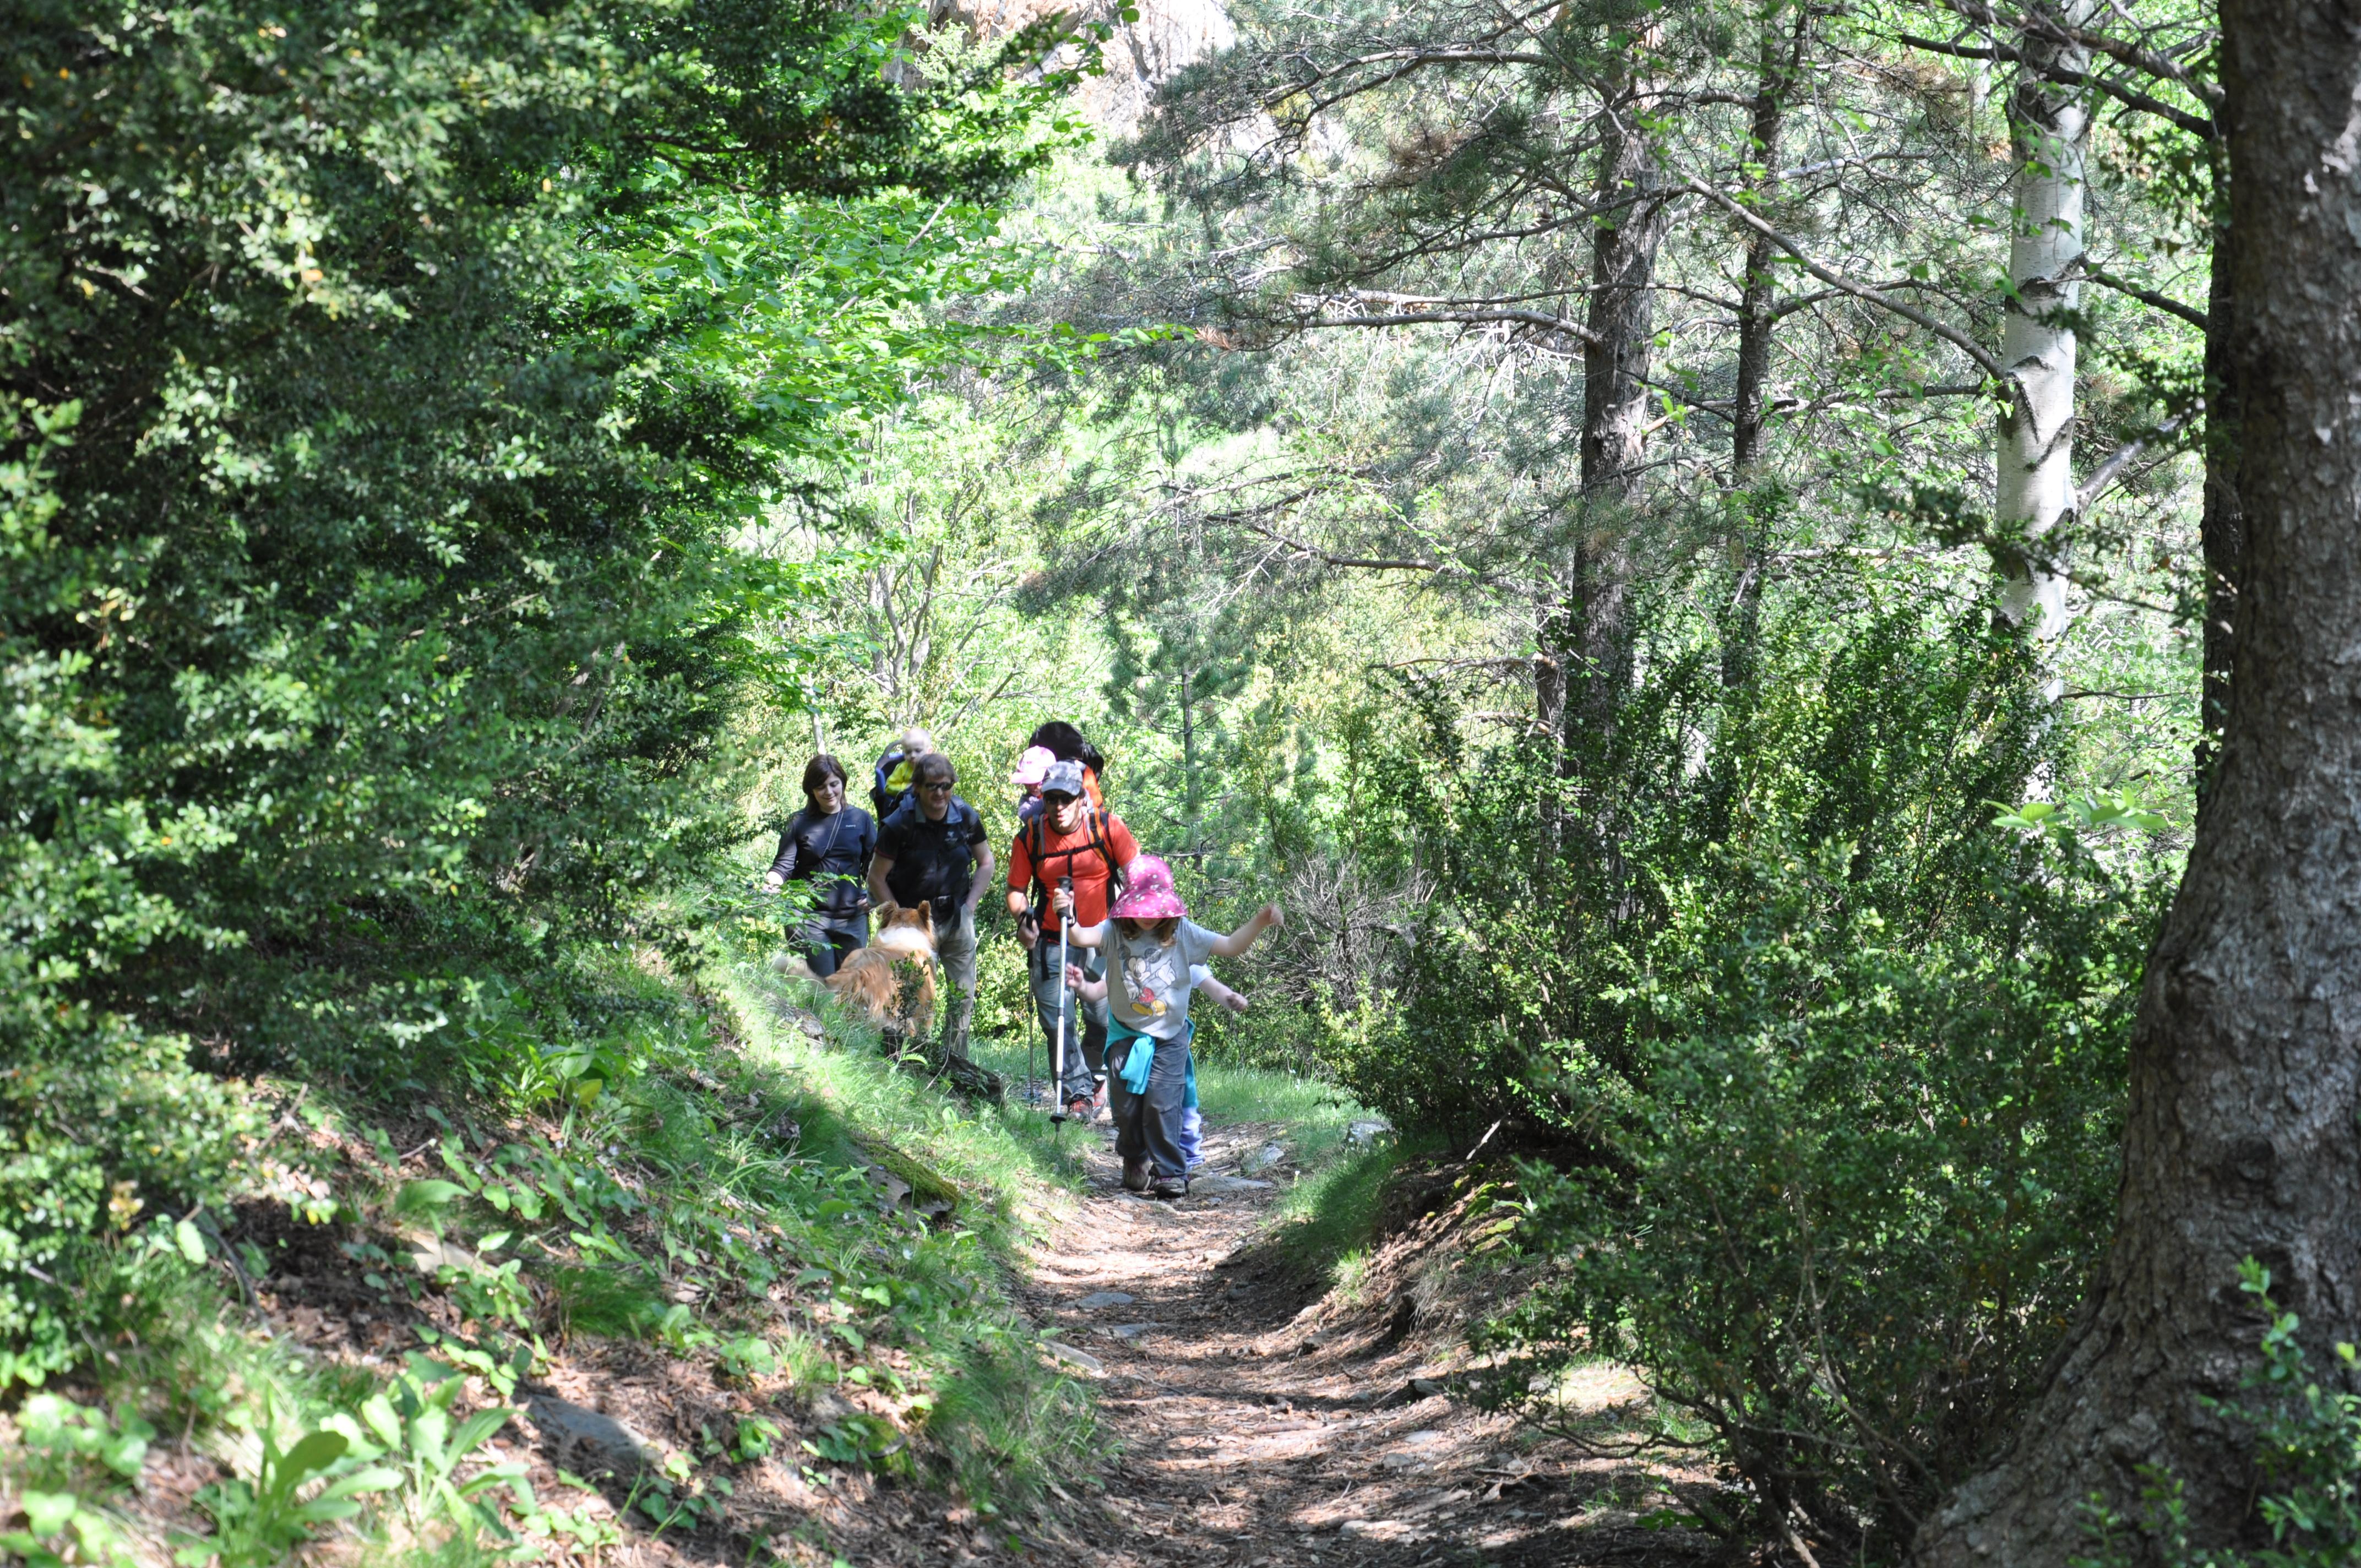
[{"x": 806, "y": 1309}]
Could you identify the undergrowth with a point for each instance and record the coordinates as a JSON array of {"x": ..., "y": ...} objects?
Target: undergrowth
[{"x": 821, "y": 1229}]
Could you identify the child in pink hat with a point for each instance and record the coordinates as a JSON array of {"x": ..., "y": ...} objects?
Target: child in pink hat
[
  {"x": 1033, "y": 767},
  {"x": 1155, "y": 958}
]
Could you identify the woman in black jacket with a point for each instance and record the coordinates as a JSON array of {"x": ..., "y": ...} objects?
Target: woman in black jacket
[{"x": 828, "y": 844}]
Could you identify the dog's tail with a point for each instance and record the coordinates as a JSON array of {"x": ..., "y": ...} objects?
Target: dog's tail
[{"x": 794, "y": 966}]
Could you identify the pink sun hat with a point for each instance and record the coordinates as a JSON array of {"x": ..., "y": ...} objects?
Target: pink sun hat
[
  {"x": 1147, "y": 892},
  {"x": 1033, "y": 766}
]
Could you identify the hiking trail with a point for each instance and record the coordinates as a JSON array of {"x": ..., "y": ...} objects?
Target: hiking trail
[{"x": 1263, "y": 1422}]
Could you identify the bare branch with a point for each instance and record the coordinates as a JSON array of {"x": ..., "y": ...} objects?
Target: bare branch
[
  {"x": 2122, "y": 458},
  {"x": 1410, "y": 61},
  {"x": 2149, "y": 297},
  {"x": 1313, "y": 552},
  {"x": 2133, "y": 55},
  {"x": 1836, "y": 279},
  {"x": 1471, "y": 318}
]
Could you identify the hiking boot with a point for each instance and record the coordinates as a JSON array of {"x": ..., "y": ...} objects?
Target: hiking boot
[
  {"x": 1079, "y": 1108},
  {"x": 1135, "y": 1174},
  {"x": 1171, "y": 1187}
]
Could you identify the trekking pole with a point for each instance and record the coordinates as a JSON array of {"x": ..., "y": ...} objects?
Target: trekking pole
[{"x": 1058, "y": 1085}]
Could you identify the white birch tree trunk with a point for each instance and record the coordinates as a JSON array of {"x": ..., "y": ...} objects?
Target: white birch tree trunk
[{"x": 2050, "y": 138}]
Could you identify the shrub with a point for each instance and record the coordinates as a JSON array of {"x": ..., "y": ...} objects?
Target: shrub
[
  {"x": 104, "y": 1131},
  {"x": 1829, "y": 1064},
  {"x": 1848, "y": 1206},
  {"x": 381, "y": 628}
]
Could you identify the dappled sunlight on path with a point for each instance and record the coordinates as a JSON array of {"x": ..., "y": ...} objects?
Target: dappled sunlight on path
[{"x": 1262, "y": 1424}]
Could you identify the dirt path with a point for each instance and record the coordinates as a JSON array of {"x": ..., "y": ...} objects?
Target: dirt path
[{"x": 1260, "y": 1426}]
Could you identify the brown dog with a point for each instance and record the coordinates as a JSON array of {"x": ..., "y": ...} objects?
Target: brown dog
[{"x": 893, "y": 979}]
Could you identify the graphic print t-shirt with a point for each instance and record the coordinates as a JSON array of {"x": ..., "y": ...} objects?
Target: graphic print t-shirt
[{"x": 1148, "y": 982}]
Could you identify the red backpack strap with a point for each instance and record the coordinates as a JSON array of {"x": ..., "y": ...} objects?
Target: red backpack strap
[{"x": 1032, "y": 842}]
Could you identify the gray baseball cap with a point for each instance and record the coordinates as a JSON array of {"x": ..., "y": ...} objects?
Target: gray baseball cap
[{"x": 1063, "y": 778}]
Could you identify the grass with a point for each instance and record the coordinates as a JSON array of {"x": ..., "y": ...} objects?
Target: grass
[
  {"x": 604, "y": 1302},
  {"x": 1009, "y": 1157},
  {"x": 1317, "y": 1113}
]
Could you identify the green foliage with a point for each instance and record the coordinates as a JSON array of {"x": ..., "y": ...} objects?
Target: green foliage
[
  {"x": 1850, "y": 1204},
  {"x": 2085, "y": 813},
  {"x": 70, "y": 1459},
  {"x": 412, "y": 1440},
  {"x": 381, "y": 394},
  {"x": 259, "y": 1521}
]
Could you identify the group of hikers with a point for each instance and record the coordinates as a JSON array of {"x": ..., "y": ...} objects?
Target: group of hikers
[{"x": 1112, "y": 958}]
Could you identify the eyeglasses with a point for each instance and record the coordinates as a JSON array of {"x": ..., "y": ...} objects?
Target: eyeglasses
[
  {"x": 1060, "y": 801},
  {"x": 933, "y": 788}
]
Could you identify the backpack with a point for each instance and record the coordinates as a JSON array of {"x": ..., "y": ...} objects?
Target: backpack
[{"x": 1034, "y": 833}]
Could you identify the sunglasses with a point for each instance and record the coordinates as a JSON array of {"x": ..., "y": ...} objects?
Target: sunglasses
[
  {"x": 933, "y": 788},
  {"x": 1059, "y": 800}
]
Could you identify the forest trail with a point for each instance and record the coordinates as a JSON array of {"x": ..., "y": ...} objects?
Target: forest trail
[{"x": 1263, "y": 1423}]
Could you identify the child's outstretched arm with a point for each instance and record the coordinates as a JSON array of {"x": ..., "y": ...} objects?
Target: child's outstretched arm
[
  {"x": 1222, "y": 995},
  {"x": 1239, "y": 940},
  {"x": 1082, "y": 985}
]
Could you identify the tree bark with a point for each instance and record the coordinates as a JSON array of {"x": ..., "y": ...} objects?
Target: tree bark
[
  {"x": 1616, "y": 362},
  {"x": 1585, "y": 657},
  {"x": 1758, "y": 297},
  {"x": 1757, "y": 319},
  {"x": 1617, "y": 359},
  {"x": 2049, "y": 128},
  {"x": 1754, "y": 323},
  {"x": 2241, "y": 1138}
]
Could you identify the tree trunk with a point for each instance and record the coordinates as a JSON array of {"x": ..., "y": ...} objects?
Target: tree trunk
[
  {"x": 1616, "y": 361},
  {"x": 2241, "y": 1138},
  {"x": 1188, "y": 764},
  {"x": 2049, "y": 132},
  {"x": 1754, "y": 322},
  {"x": 1757, "y": 317},
  {"x": 1615, "y": 366},
  {"x": 1584, "y": 640},
  {"x": 2221, "y": 531},
  {"x": 1758, "y": 297}
]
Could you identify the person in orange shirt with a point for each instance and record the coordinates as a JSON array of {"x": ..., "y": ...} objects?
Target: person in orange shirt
[{"x": 1072, "y": 838}]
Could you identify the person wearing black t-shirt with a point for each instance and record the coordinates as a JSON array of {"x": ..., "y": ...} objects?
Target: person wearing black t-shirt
[
  {"x": 828, "y": 844},
  {"x": 933, "y": 851}
]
